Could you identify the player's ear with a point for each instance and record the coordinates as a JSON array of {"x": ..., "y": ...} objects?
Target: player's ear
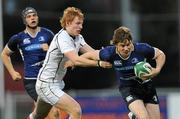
[{"x": 67, "y": 23}]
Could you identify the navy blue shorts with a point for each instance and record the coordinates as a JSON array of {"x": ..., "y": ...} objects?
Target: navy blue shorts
[
  {"x": 30, "y": 87},
  {"x": 145, "y": 92}
]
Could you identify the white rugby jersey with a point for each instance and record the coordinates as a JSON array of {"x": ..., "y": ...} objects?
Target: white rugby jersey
[{"x": 53, "y": 67}]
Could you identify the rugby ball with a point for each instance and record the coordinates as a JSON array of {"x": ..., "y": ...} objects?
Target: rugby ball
[{"x": 142, "y": 68}]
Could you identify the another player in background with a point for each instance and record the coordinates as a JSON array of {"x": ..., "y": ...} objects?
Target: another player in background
[
  {"x": 33, "y": 44},
  {"x": 65, "y": 45},
  {"x": 139, "y": 94}
]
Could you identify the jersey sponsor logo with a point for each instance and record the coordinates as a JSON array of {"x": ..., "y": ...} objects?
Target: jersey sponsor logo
[
  {"x": 130, "y": 78},
  {"x": 33, "y": 47},
  {"x": 41, "y": 38},
  {"x": 26, "y": 41},
  {"x": 124, "y": 68},
  {"x": 118, "y": 63}
]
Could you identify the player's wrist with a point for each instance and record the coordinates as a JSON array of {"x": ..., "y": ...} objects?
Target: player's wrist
[{"x": 99, "y": 63}]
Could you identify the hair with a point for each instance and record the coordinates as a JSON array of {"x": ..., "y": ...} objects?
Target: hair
[
  {"x": 69, "y": 14},
  {"x": 121, "y": 34}
]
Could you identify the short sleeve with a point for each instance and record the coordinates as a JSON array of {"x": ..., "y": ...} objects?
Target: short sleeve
[
  {"x": 13, "y": 43},
  {"x": 147, "y": 50},
  {"x": 106, "y": 53},
  {"x": 65, "y": 44},
  {"x": 51, "y": 35}
]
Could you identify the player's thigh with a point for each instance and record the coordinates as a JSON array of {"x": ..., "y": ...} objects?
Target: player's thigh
[
  {"x": 68, "y": 104},
  {"x": 138, "y": 108},
  {"x": 29, "y": 86},
  {"x": 153, "y": 110},
  {"x": 49, "y": 92}
]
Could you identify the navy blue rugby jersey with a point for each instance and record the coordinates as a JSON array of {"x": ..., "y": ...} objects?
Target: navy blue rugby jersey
[
  {"x": 30, "y": 49},
  {"x": 124, "y": 68}
]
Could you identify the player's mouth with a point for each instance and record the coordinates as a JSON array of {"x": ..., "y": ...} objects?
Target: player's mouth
[
  {"x": 33, "y": 22},
  {"x": 78, "y": 31}
]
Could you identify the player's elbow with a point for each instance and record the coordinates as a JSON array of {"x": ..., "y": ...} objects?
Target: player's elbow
[
  {"x": 162, "y": 55},
  {"x": 2, "y": 54}
]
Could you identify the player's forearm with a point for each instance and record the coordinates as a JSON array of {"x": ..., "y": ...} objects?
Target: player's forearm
[
  {"x": 83, "y": 62},
  {"x": 160, "y": 60},
  {"x": 94, "y": 55}
]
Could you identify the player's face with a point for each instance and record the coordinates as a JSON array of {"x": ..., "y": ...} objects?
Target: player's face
[
  {"x": 74, "y": 28},
  {"x": 124, "y": 48},
  {"x": 32, "y": 20}
]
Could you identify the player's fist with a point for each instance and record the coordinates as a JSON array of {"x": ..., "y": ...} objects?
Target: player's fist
[
  {"x": 104, "y": 64},
  {"x": 45, "y": 46},
  {"x": 16, "y": 76}
]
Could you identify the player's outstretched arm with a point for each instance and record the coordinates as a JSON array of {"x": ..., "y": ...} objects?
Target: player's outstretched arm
[{"x": 87, "y": 59}]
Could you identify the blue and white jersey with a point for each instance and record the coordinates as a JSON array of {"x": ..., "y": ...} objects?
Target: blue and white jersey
[
  {"x": 124, "y": 68},
  {"x": 31, "y": 50}
]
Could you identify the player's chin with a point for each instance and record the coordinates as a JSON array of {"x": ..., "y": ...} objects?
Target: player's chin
[
  {"x": 33, "y": 24},
  {"x": 77, "y": 33},
  {"x": 125, "y": 55}
]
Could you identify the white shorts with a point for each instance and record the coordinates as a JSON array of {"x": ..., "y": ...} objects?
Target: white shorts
[{"x": 50, "y": 92}]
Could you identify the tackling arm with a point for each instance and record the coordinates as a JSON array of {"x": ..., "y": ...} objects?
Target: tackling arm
[
  {"x": 80, "y": 61},
  {"x": 88, "y": 59}
]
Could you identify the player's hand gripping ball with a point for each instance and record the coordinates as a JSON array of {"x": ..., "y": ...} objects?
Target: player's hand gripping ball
[{"x": 142, "y": 68}]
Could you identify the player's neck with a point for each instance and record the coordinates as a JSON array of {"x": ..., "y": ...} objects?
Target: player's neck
[{"x": 32, "y": 31}]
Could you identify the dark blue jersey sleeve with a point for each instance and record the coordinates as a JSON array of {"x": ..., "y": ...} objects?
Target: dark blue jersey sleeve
[
  {"x": 50, "y": 34},
  {"x": 106, "y": 53},
  {"x": 13, "y": 43},
  {"x": 147, "y": 50}
]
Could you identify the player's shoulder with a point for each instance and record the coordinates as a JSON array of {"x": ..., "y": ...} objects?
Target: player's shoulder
[
  {"x": 62, "y": 32},
  {"x": 43, "y": 29},
  {"x": 110, "y": 48},
  {"x": 62, "y": 35},
  {"x": 18, "y": 35},
  {"x": 140, "y": 46},
  {"x": 80, "y": 36}
]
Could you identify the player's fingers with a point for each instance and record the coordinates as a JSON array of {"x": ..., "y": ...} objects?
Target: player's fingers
[{"x": 17, "y": 79}]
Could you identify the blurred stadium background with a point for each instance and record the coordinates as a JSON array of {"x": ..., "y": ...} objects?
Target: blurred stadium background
[{"x": 156, "y": 22}]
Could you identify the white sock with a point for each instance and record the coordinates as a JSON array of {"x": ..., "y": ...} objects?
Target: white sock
[{"x": 31, "y": 116}]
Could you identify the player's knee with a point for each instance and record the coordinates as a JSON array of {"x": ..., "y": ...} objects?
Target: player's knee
[{"x": 55, "y": 112}]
